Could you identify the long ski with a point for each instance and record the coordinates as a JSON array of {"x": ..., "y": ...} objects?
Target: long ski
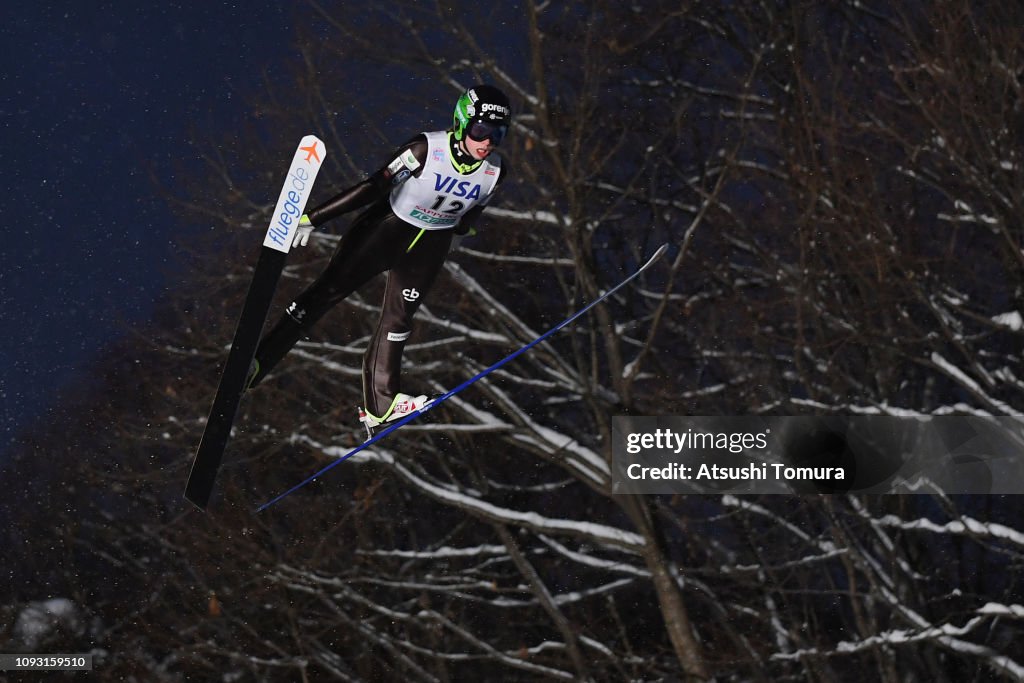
[
  {"x": 483, "y": 373},
  {"x": 278, "y": 240}
]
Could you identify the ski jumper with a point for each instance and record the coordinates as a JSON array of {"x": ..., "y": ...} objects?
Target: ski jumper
[{"x": 414, "y": 205}]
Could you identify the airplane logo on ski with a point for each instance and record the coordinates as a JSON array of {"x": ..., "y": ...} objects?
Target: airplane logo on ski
[{"x": 311, "y": 152}]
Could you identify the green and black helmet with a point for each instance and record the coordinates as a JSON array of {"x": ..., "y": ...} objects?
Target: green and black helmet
[{"x": 483, "y": 113}]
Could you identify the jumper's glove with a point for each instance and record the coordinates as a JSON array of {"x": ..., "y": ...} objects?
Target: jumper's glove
[{"x": 302, "y": 232}]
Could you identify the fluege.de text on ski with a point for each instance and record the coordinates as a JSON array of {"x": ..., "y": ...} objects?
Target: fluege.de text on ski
[{"x": 291, "y": 210}]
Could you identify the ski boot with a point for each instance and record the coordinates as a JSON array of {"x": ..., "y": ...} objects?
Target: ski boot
[{"x": 403, "y": 405}]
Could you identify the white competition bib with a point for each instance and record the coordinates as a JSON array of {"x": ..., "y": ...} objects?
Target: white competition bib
[{"x": 439, "y": 197}]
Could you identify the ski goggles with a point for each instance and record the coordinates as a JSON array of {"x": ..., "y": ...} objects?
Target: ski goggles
[{"x": 481, "y": 130}]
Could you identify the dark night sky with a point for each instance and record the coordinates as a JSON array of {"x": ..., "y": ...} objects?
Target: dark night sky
[{"x": 94, "y": 96}]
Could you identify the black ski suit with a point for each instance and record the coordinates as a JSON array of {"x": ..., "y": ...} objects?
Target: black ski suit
[{"x": 378, "y": 241}]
